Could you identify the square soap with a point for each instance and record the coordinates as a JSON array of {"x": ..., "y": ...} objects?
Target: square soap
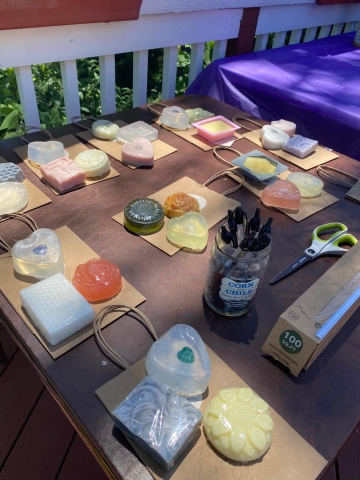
[
  {"x": 158, "y": 419},
  {"x": 136, "y": 130},
  {"x": 9, "y": 172},
  {"x": 56, "y": 308}
]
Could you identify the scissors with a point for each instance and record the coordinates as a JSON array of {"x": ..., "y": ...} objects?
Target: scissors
[{"x": 318, "y": 247}]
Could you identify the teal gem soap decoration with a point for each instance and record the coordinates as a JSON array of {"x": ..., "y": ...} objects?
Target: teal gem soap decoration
[
  {"x": 144, "y": 216},
  {"x": 180, "y": 360}
]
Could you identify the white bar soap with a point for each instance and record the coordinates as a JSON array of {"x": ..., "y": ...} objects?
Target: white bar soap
[
  {"x": 56, "y": 308},
  {"x": 13, "y": 197},
  {"x": 104, "y": 129},
  {"x": 272, "y": 138},
  {"x": 94, "y": 162},
  {"x": 285, "y": 126}
]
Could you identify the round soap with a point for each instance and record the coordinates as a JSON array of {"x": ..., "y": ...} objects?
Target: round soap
[
  {"x": 94, "y": 162},
  {"x": 104, "y": 129},
  {"x": 144, "y": 216},
  {"x": 238, "y": 424},
  {"x": 308, "y": 185},
  {"x": 180, "y": 203},
  {"x": 97, "y": 280},
  {"x": 13, "y": 197}
]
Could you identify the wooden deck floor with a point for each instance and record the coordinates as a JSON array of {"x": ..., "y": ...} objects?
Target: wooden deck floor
[{"x": 37, "y": 442}]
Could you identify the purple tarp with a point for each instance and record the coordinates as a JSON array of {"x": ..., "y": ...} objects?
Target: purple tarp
[{"x": 314, "y": 84}]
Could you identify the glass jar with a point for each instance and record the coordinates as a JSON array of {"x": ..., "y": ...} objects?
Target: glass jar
[{"x": 233, "y": 277}]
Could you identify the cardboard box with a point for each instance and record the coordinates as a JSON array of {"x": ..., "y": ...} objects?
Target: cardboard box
[{"x": 293, "y": 341}]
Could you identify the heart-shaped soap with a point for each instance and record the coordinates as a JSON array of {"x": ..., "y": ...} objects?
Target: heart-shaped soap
[
  {"x": 189, "y": 231},
  {"x": 39, "y": 255},
  {"x": 180, "y": 360},
  {"x": 138, "y": 153},
  {"x": 282, "y": 194},
  {"x": 272, "y": 138}
]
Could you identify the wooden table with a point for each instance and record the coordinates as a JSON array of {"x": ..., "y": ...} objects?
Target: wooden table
[{"x": 322, "y": 404}]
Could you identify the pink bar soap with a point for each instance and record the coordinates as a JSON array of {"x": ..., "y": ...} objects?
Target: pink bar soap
[
  {"x": 138, "y": 153},
  {"x": 282, "y": 194},
  {"x": 62, "y": 174},
  {"x": 285, "y": 126}
]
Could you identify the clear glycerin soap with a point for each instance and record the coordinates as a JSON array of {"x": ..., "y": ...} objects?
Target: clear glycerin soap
[
  {"x": 94, "y": 162},
  {"x": 138, "y": 153},
  {"x": 197, "y": 114},
  {"x": 282, "y": 194},
  {"x": 144, "y": 216},
  {"x": 45, "y": 152},
  {"x": 189, "y": 231},
  {"x": 159, "y": 420},
  {"x": 9, "y": 172},
  {"x": 39, "y": 255},
  {"x": 238, "y": 424},
  {"x": 300, "y": 146},
  {"x": 180, "y": 360},
  {"x": 136, "y": 130},
  {"x": 104, "y": 129},
  {"x": 56, "y": 308},
  {"x": 63, "y": 174},
  {"x": 175, "y": 117},
  {"x": 13, "y": 197},
  {"x": 308, "y": 185}
]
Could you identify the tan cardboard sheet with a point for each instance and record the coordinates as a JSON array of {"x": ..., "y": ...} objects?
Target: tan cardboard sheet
[
  {"x": 75, "y": 252},
  {"x": 354, "y": 192},
  {"x": 215, "y": 210},
  {"x": 114, "y": 149},
  {"x": 320, "y": 156},
  {"x": 74, "y": 147},
  {"x": 308, "y": 206},
  {"x": 290, "y": 457}
]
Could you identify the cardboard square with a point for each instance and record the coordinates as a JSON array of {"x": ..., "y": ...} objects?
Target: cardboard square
[
  {"x": 319, "y": 157},
  {"x": 354, "y": 192},
  {"x": 215, "y": 210},
  {"x": 289, "y": 456},
  {"x": 75, "y": 252},
  {"x": 114, "y": 149},
  {"x": 74, "y": 147}
]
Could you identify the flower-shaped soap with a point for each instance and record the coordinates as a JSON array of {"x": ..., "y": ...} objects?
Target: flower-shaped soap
[
  {"x": 9, "y": 172},
  {"x": 282, "y": 194},
  {"x": 39, "y": 255},
  {"x": 180, "y": 360},
  {"x": 104, "y": 129},
  {"x": 13, "y": 197},
  {"x": 94, "y": 162},
  {"x": 144, "y": 216},
  {"x": 238, "y": 424},
  {"x": 189, "y": 231},
  {"x": 180, "y": 203},
  {"x": 97, "y": 280}
]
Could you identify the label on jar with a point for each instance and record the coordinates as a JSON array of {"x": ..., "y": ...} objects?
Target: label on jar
[{"x": 235, "y": 291}]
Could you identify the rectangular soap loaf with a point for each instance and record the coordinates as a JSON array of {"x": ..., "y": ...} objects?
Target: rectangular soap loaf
[{"x": 158, "y": 419}]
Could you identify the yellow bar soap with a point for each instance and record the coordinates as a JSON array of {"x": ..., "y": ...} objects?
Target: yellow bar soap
[{"x": 238, "y": 424}]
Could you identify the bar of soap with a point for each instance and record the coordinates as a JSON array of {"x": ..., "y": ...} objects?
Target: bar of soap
[
  {"x": 175, "y": 117},
  {"x": 45, "y": 152},
  {"x": 285, "y": 126},
  {"x": 104, "y": 129},
  {"x": 144, "y": 216},
  {"x": 13, "y": 197},
  {"x": 138, "y": 153},
  {"x": 189, "y": 231},
  {"x": 136, "y": 130},
  {"x": 272, "y": 138},
  {"x": 9, "y": 172},
  {"x": 238, "y": 424},
  {"x": 159, "y": 420},
  {"x": 300, "y": 146},
  {"x": 308, "y": 185},
  {"x": 56, "y": 308},
  {"x": 62, "y": 174},
  {"x": 94, "y": 162},
  {"x": 39, "y": 255},
  {"x": 282, "y": 194},
  {"x": 197, "y": 114},
  {"x": 180, "y": 360},
  {"x": 260, "y": 165},
  {"x": 97, "y": 280},
  {"x": 180, "y": 203}
]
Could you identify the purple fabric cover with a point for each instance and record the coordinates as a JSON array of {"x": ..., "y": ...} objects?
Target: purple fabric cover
[{"x": 314, "y": 84}]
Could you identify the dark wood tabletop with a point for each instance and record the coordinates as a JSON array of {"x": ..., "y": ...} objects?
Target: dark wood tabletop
[{"x": 322, "y": 404}]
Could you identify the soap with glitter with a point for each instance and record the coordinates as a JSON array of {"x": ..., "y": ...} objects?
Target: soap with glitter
[
  {"x": 180, "y": 360},
  {"x": 159, "y": 420},
  {"x": 282, "y": 194},
  {"x": 9, "y": 172},
  {"x": 13, "y": 197}
]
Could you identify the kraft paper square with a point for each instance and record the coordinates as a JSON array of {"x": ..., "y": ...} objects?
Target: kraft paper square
[
  {"x": 114, "y": 149},
  {"x": 75, "y": 252},
  {"x": 74, "y": 147},
  {"x": 215, "y": 210},
  {"x": 354, "y": 192},
  {"x": 289, "y": 456},
  {"x": 319, "y": 157}
]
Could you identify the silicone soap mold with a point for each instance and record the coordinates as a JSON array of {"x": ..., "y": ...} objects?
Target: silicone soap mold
[
  {"x": 180, "y": 360},
  {"x": 175, "y": 117},
  {"x": 56, "y": 308},
  {"x": 159, "y": 420},
  {"x": 39, "y": 255},
  {"x": 216, "y": 128},
  {"x": 138, "y": 153},
  {"x": 13, "y": 197},
  {"x": 189, "y": 231},
  {"x": 63, "y": 174},
  {"x": 9, "y": 172},
  {"x": 104, "y": 129},
  {"x": 136, "y": 130},
  {"x": 45, "y": 152},
  {"x": 94, "y": 162},
  {"x": 238, "y": 424},
  {"x": 144, "y": 216}
]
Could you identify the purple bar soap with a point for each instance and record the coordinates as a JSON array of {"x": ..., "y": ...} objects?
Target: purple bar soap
[{"x": 300, "y": 146}]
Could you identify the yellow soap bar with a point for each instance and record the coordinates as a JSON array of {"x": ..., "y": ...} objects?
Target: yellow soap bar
[
  {"x": 216, "y": 126},
  {"x": 260, "y": 165},
  {"x": 238, "y": 424}
]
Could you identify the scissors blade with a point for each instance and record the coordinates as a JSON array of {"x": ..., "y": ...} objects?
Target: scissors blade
[{"x": 299, "y": 262}]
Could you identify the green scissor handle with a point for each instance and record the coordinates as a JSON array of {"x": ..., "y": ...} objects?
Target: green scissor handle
[
  {"x": 330, "y": 245},
  {"x": 328, "y": 226}
]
